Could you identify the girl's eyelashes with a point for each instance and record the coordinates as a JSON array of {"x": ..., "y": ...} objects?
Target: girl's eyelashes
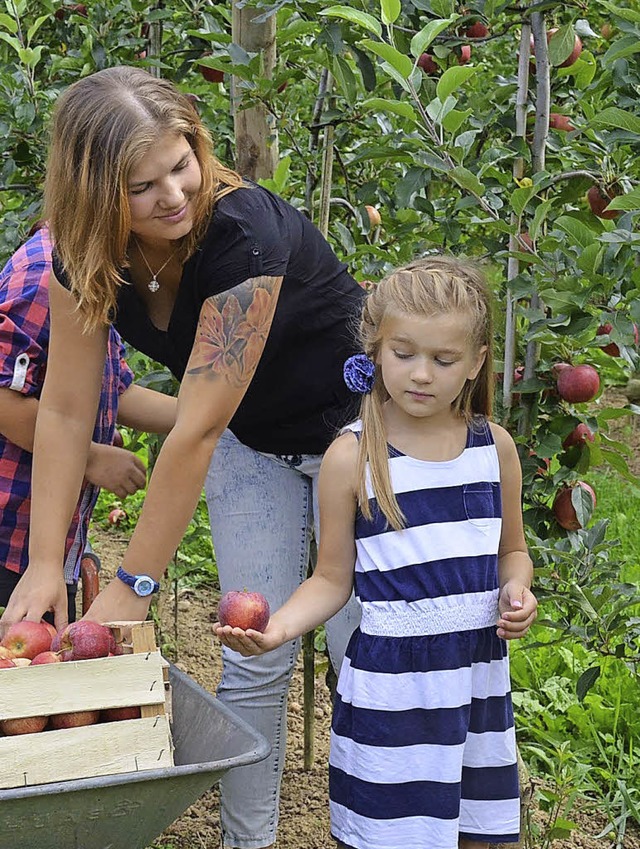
[
  {"x": 143, "y": 188},
  {"x": 139, "y": 189}
]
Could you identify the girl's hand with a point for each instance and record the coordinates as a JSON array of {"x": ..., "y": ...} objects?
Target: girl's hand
[
  {"x": 249, "y": 643},
  {"x": 518, "y": 609}
]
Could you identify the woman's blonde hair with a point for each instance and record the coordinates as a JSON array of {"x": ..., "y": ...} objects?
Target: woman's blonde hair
[
  {"x": 435, "y": 285},
  {"x": 103, "y": 126}
]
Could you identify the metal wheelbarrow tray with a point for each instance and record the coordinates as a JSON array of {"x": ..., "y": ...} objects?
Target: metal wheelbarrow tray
[{"x": 129, "y": 810}]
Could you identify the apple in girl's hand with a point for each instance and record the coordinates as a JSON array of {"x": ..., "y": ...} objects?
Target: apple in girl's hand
[
  {"x": 243, "y": 609},
  {"x": 27, "y": 639}
]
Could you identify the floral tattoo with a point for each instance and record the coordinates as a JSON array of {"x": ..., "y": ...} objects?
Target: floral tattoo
[{"x": 233, "y": 329}]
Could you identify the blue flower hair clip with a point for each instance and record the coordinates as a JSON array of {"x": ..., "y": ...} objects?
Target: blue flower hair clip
[{"x": 359, "y": 374}]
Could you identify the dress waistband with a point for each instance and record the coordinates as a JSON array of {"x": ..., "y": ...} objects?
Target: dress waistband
[{"x": 442, "y": 616}]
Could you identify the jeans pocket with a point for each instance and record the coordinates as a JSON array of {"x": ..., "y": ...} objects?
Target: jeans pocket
[{"x": 479, "y": 504}]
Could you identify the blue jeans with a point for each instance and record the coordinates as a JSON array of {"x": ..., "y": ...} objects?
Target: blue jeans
[{"x": 262, "y": 510}]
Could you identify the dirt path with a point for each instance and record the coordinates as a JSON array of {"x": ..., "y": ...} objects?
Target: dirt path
[{"x": 304, "y": 818}]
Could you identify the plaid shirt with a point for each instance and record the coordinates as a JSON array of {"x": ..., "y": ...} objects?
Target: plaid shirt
[{"x": 24, "y": 342}]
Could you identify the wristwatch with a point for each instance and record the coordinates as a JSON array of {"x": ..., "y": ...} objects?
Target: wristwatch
[{"x": 142, "y": 585}]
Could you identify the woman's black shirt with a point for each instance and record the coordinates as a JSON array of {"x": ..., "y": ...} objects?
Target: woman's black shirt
[{"x": 297, "y": 399}]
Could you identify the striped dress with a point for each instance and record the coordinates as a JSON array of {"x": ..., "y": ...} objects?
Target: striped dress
[{"x": 422, "y": 740}]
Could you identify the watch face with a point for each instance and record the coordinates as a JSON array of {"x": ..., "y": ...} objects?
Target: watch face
[{"x": 143, "y": 585}]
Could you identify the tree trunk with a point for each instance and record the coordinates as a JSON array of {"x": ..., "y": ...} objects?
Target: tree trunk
[{"x": 255, "y": 128}]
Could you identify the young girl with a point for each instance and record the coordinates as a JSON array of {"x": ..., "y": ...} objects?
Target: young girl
[{"x": 423, "y": 495}]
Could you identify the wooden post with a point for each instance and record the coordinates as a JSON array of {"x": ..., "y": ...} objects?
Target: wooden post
[{"x": 255, "y": 128}]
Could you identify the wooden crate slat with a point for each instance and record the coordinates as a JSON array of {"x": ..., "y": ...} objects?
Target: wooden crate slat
[
  {"x": 133, "y": 679},
  {"x": 105, "y": 749}
]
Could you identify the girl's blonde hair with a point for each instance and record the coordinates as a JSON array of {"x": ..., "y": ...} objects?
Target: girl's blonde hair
[
  {"x": 431, "y": 286},
  {"x": 103, "y": 126}
]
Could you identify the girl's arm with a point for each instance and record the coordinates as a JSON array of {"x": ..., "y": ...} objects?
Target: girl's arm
[
  {"x": 66, "y": 417},
  {"x": 328, "y": 589},
  {"x": 517, "y": 604},
  {"x": 232, "y": 331},
  {"x": 147, "y": 410}
]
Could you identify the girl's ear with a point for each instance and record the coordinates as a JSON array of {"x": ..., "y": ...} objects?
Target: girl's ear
[{"x": 481, "y": 356}]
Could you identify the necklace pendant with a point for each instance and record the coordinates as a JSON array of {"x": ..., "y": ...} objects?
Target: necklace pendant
[{"x": 153, "y": 285}]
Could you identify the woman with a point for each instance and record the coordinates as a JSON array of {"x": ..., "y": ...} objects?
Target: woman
[{"x": 241, "y": 297}]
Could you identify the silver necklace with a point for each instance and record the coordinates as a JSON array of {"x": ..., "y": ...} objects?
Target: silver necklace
[{"x": 153, "y": 284}]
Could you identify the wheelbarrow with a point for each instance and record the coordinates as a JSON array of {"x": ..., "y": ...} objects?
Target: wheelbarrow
[{"x": 128, "y": 811}]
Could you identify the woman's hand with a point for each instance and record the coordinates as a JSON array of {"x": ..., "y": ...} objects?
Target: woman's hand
[
  {"x": 250, "y": 642},
  {"x": 116, "y": 603},
  {"x": 518, "y": 609},
  {"x": 35, "y": 594}
]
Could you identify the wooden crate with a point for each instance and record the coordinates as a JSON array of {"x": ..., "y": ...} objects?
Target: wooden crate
[{"x": 136, "y": 678}]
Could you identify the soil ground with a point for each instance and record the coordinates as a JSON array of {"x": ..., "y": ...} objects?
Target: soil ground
[{"x": 304, "y": 816}]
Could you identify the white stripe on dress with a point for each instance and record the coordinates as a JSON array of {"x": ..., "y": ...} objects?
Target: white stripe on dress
[
  {"x": 391, "y": 550},
  {"x": 448, "y": 688},
  {"x": 382, "y": 834},
  {"x": 442, "y": 615}
]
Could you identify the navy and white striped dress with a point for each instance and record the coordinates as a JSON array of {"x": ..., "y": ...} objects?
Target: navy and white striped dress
[{"x": 422, "y": 741}]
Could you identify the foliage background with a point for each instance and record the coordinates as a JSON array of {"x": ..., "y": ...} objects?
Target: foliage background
[{"x": 444, "y": 160}]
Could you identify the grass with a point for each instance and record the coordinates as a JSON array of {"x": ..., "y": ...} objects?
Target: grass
[{"x": 619, "y": 501}]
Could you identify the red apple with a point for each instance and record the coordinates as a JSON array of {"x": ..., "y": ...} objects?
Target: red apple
[
  {"x": 560, "y": 122},
  {"x": 578, "y": 436},
  {"x": 46, "y": 657},
  {"x": 606, "y": 31},
  {"x": 577, "y": 48},
  {"x": 84, "y": 640},
  {"x": 119, "y": 713},
  {"x": 375, "y": 219},
  {"x": 27, "y": 639},
  {"x": 428, "y": 64},
  {"x": 578, "y": 385},
  {"x": 518, "y": 374},
  {"x": 243, "y": 609},
  {"x": 6, "y": 663},
  {"x": 23, "y": 725},
  {"x": 526, "y": 238},
  {"x": 477, "y": 30},
  {"x": 556, "y": 368},
  {"x": 599, "y": 199},
  {"x": 465, "y": 54},
  {"x": 5, "y": 653},
  {"x": 50, "y": 628},
  {"x": 74, "y": 719},
  {"x": 116, "y": 516},
  {"x": 211, "y": 75},
  {"x": 564, "y": 510}
]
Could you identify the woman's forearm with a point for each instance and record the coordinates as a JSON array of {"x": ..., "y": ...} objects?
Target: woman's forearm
[{"x": 172, "y": 496}]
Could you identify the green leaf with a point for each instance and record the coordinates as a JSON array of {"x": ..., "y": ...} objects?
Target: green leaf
[
  {"x": 628, "y": 202},
  {"x": 422, "y": 39},
  {"x": 451, "y": 80},
  {"x": 455, "y": 119},
  {"x": 362, "y": 19},
  {"x": 579, "y": 233},
  {"x": 14, "y": 42},
  {"x": 390, "y": 10},
  {"x": 520, "y": 198},
  {"x": 345, "y": 79},
  {"x": 396, "y": 75},
  {"x": 613, "y": 116},
  {"x": 542, "y": 210},
  {"x": 585, "y": 683},
  {"x": 9, "y": 23},
  {"x": 625, "y": 14},
  {"x": 397, "y": 60},
  {"x": 561, "y": 45},
  {"x": 621, "y": 48},
  {"x": 466, "y": 180},
  {"x": 35, "y": 26},
  {"x": 397, "y": 107},
  {"x": 590, "y": 258}
]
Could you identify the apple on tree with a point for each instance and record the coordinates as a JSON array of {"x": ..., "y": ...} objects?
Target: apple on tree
[
  {"x": 611, "y": 348},
  {"x": 573, "y": 56},
  {"x": 428, "y": 64},
  {"x": 477, "y": 30},
  {"x": 375, "y": 219},
  {"x": 578, "y": 436},
  {"x": 560, "y": 122},
  {"x": 599, "y": 199},
  {"x": 578, "y": 384},
  {"x": 243, "y": 609},
  {"x": 563, "y": 508}
]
